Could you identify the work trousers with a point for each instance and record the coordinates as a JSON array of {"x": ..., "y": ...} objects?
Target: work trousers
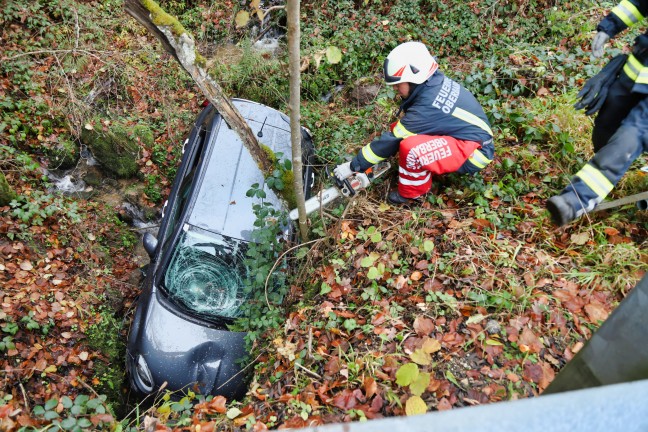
[
  {"x": 422, "y": 156},
  {"x": 618, "y": 104},
  {"x": 625, "y": 142}
]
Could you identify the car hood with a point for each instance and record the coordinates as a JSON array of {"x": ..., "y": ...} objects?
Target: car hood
[
  {"x": 222, "y": 205},
  {"x": 190, "y": 355}
]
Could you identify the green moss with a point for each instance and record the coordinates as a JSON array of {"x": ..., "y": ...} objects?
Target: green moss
[
  {"x": 271, "y": 155},
  {"x": 118, "y": 147},
  {"x": 287, "y": 178},
  {"x": 105, "y": 336},
  {"x": 288, "y": 193},
  {"x": 63, "y": 155},
  {"x": 6, "y": 193},
  {"x": 161, "y": 18},
  {"x": 200, "y": 60}
]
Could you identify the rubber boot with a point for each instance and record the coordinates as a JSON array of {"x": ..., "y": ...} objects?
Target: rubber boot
[
  {"x": 561, "y": 212},
  {"x": 396, "y": 198}
]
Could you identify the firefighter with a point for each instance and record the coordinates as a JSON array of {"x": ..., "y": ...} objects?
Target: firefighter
[
  {"x": 443, "y": 129},
  {"x": 620, "y": 131}
]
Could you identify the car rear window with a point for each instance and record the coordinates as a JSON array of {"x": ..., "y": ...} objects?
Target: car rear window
[{"x": 206, "y": 273}]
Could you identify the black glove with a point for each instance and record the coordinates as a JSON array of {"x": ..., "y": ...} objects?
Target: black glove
[{"x": 595, "y": 90}]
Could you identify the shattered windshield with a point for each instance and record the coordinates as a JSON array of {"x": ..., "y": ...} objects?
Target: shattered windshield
[{"x": 206, "y": 273}]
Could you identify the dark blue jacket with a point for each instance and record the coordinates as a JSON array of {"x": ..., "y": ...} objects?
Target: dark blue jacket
[
  {"x": 627, "y": 14},
  {"x": 440, "y": 106}
]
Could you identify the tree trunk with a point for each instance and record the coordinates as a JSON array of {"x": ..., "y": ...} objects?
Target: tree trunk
[
  {"x": 295, "y": 101},
  {"x": 180, "y": 44}
]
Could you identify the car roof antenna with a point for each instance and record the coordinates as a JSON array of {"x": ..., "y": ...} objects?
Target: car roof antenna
[{"x": 260, "y": 133}]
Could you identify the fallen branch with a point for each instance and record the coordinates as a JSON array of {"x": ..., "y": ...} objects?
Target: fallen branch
[{"x": 180, "y": 44}]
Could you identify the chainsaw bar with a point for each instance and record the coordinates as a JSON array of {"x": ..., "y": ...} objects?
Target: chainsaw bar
[
  {"x": 320, "y": 200},
  {"x": 348, "y": 188},
  {"x": 640, "y": 199}
]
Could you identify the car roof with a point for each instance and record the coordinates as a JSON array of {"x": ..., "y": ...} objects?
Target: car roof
[{"x": 221, "y": 205}]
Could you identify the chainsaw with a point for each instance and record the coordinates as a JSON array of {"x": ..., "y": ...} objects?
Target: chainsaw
[
  {"x": 348, "y": 187},
  {"x": 640, "y": 200}
]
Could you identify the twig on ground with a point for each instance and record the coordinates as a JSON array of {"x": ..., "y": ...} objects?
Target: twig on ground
[
  {"x": 277, "y": 263},
  {"x": 315, "y": 374}
]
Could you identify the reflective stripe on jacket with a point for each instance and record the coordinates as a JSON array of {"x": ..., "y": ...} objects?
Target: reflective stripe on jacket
[
  {"x": 627, "y": 14},
  {"x": 441, "y": 107}
]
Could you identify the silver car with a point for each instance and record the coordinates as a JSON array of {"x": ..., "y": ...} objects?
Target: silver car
[{"x": 193, "y": 285}]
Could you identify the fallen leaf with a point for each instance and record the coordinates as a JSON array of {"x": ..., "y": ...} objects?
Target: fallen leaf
[
  {"x": 415, "y": 405},
  {"x": 406, "y": 374},
  {"x": 421, "y": 357},
  {"x": 370, "y": 387},
  {"x": 217, "y": 405},
  {"x": 444, "y": 405},
  {"x": 241, "y": 19},
  {"x": 345, "y": 400},
  {"x": 232, "y": 413},
  {"x": 423, "y": 326},
  {"x": 475, "y": 319},
  {"x": 418, "y": 386},
  {"x": 431, "y": 345},
  {"x": 333, "y": 54},
  {"x": 596, "y": 312},
  {"x": 580, "y": 238},
  {"x": 529, "y": 339}
]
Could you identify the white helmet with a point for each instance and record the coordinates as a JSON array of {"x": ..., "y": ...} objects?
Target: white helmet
[{"x": 409, "y": 62}]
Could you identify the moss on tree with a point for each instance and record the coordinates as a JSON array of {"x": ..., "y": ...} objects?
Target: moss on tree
[
  {"x": 288, "y": 193},
  {"x": 287, "y": 177},
  {"x": 161, "y": 18},
  {"x": 202, "y": 62}
]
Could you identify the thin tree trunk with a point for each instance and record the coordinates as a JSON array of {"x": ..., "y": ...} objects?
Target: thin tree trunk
[
  {"x": 180, "y": 44},
  {"x": 295, "y": 117}
]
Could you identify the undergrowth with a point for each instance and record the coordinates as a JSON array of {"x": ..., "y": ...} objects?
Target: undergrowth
[{"x": 476, "y": 260}]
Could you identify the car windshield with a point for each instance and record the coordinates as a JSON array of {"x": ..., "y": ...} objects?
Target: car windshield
[{"x": 206, "y": 273}]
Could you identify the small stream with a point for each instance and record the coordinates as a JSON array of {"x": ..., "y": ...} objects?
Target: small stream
[{"x": 87, "y": 181}]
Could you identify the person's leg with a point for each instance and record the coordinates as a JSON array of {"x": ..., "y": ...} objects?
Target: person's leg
[
  {"x": 479, "y": 159},
  {"x": 599, "y": 176},
  {"x": 413, "y": 179},
  {"x": 615, "y": 109}
]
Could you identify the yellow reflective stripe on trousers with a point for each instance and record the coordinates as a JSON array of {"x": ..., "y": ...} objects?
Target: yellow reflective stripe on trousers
[
  {"x": 479, "y": 159},
  {"x": 595, "y": 180},
  {"x": 370, "y": 156},
  {"x": 632, "y": 67},
  {"x": 472, "y": 119},
  {"x": 400, "y": 131},
  {"x": 643, "y": 76},
  {"x": 628, "y": 13}
]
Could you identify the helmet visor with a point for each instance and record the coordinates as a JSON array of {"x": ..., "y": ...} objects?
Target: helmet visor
[{"x": 391, "y": 79}]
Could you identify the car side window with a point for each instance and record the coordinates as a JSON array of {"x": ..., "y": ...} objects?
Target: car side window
[{"x": 187, "y": 182}]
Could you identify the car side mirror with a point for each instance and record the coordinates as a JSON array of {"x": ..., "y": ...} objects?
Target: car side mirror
[{"x": 150, "y": 243}]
